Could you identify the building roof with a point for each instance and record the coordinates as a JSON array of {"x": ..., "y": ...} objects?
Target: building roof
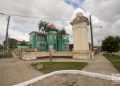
[
  {"x": 36, "y": 32},
  {"x": 52, "y": 26}
]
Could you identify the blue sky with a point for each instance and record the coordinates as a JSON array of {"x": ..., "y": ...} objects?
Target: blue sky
[{"x": 74, "y": 3}]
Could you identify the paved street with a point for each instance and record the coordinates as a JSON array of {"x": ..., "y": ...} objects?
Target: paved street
[
  {"x": 14, "y": 70},
  {"x": 100, "y": 65},
  {"x": 72, "y": 80}
]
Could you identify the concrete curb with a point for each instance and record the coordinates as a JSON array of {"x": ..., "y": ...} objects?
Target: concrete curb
[{"x": 90, "y": 74}]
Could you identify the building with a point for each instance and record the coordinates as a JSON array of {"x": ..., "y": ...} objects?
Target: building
[{"x": 49, "y": 41}]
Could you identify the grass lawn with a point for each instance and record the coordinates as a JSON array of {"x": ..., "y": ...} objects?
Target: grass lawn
[
  {"x": 114, "y": 59},
  {"x": 53, "y": 66}
]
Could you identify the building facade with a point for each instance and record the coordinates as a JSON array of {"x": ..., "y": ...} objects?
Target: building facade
[{"x": 49, "y": 41}]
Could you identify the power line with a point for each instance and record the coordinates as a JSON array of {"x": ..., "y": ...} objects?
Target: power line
[{"x": 36, "y": 17}]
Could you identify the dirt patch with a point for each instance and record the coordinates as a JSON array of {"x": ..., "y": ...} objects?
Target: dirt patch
[{"x": 72, "y": 80}]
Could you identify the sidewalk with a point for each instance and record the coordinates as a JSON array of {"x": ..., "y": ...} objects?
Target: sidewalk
[
  {"x": 14, "y": 71},
  {"x": 100, "y": 65}
]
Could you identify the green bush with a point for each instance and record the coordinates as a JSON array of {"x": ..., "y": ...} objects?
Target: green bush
[{"x": 8, "y": 55}]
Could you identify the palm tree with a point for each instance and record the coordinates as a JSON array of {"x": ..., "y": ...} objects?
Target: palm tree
[
  {"x": 62, "y": 32},
  {"x": 40, "y": 25},
  {"x": 43, "y": 25}
]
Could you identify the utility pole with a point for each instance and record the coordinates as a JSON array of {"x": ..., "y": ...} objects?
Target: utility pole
[
  {"x": 6, "y": 38},
  {"x": 91, "y": 32}
]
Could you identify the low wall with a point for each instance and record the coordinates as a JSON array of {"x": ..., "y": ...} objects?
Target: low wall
[
  {"x": 31, "y": 54},
  {"x": 20, "y": 51},
  {"x": 81, "y": 54},
  {"x": 35, "y": 55}
]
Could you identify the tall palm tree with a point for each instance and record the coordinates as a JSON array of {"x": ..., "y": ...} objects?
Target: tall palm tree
[{"x": 43, "y": 25}]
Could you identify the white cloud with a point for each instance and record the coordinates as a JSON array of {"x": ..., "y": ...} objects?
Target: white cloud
[
  {"x": 68, "y": 29},
  {"x": 3, "y": 24},
  {"x": 104, "y": 12},
  {"x": 107, "y": 12},
  {"x": 104, "y": 9},
  {"x": 20, "y": 26},
  {"x": 18, "y": 35}
]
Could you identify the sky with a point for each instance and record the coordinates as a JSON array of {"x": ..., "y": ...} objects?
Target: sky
[{"x": 104, "y": 13}]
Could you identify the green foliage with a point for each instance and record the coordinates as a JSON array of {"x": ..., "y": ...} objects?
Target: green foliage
[
  {"x": 54, "y": 66},
  {"x": 8, "y": 54},
  {"x": 48, "y": 29},
  {"x": 1, "y": 47},
  {"x": 62, "y": 32},
  {"x": 12, "y": 43},
  {"x": 110, "y": 44},
  {"x": 118, "y": 40},
  {"x": 23, "y": 43},
  {"x": 43, "y": 26}
]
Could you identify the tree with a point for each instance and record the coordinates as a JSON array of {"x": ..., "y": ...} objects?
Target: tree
[
  {"x": 23, "y": 43},
  {"x": 12, "y": 43},
  {"x": 48, "y": 29},
  {"x": 118, "y": 40},
  {"x": 1, "y": 47},
  {"x": 62, "y": 32},
  {"x": 110, "y": 44},
  {"x": 43, "y": 25}
]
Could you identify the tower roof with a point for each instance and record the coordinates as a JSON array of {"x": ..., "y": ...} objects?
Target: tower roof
[
  {"x": 79, "y": 19},
  {"x": 52, "y": 26}
]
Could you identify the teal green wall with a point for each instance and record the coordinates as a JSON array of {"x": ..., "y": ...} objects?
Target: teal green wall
[
  {"x": 59, "y": 39},
  {"x": 22, "y": 46},
  {"x": 52, "y": 40},
  {"x": 33, "y": 40},
  {"x": 43, "y": 41},
  {"x": 63, "y": 42}
]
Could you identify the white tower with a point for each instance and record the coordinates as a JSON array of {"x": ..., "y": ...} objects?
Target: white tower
[{"x": 80, "y": 34}]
